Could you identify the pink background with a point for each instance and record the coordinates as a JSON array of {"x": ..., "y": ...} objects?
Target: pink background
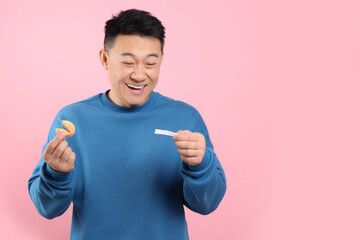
[{"x": 277, "y": 83}]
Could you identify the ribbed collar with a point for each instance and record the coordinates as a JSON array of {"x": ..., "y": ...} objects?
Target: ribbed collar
[{"x": 104, "y": 99}]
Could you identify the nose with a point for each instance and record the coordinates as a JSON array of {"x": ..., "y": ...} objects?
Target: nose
[{"x": 138, "y": 74}]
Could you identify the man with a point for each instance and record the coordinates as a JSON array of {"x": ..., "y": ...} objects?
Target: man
[{"x": 126, "y": 181}]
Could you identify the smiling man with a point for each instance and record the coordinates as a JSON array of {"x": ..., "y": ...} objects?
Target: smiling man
[
  {"x": 133, "y": 65},
  {"x": 125, "y": 180}
]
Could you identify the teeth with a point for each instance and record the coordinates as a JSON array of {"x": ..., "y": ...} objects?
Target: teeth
[{"x": 136, "y": 87}]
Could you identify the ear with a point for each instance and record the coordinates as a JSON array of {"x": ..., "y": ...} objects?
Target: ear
[
  {"x": 104, "y": 58},
  {"x": 162, "y": 57}
]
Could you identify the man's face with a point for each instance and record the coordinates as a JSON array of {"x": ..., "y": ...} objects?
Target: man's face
[{"x": 133, "y": 66}]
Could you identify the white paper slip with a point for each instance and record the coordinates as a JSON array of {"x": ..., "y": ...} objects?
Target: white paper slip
[{"x": 165, "y": 132}]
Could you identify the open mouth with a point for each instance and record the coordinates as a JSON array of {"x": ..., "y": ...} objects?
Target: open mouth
[{"x": 135, "y": 87}]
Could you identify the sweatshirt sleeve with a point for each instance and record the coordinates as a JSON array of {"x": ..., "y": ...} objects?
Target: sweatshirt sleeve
[
  {"x": 204, "y": 185},
  {"x": 50, "y": 190}
]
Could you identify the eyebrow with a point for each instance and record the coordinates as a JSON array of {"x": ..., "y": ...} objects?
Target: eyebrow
[{"x": 132, "y": 55}]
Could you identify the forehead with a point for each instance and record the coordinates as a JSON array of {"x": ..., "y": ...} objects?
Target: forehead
[{"x": 138, "y": 45}]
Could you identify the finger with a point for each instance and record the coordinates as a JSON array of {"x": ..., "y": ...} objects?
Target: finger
[
  {"x": 53, "y": 144},
  {"x": 185, "y": 136},
  {"x": 189, "y": 152},
  {"x": 66, "y": 154},
  {"x": 190, "y": 160},
  {"x": 71, "y": 158},
  {"x": 60, "y": 149},
  {"x": 187, "y": 145}
]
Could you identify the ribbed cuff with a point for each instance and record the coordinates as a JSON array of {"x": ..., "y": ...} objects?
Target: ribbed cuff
[{"x": 54, "y": 175}]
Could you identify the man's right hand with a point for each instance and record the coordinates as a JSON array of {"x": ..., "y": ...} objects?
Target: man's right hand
[{"x": 59, "y": 155}]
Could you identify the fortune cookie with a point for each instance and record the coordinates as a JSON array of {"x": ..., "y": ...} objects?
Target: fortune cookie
[{"x": 70, "y": 128}]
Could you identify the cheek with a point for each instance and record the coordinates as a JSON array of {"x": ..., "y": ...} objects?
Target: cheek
[
  {"x": 118, "y": 74},
  {"x": 153, "y": 74}
]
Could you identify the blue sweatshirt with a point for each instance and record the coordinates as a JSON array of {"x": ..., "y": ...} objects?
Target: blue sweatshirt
[{"x": 128, "y": 183}]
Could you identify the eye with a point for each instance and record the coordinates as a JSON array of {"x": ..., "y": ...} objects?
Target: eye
[
  {"x": 150, "y": 64},
  {"x": 127, "y": 63}
]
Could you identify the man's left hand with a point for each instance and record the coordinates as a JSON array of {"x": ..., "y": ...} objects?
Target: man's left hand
[{"x": 191, "y": 146}]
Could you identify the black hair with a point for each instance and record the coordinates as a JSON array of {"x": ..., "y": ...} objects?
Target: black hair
[{"x": 133, "y": 22}]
